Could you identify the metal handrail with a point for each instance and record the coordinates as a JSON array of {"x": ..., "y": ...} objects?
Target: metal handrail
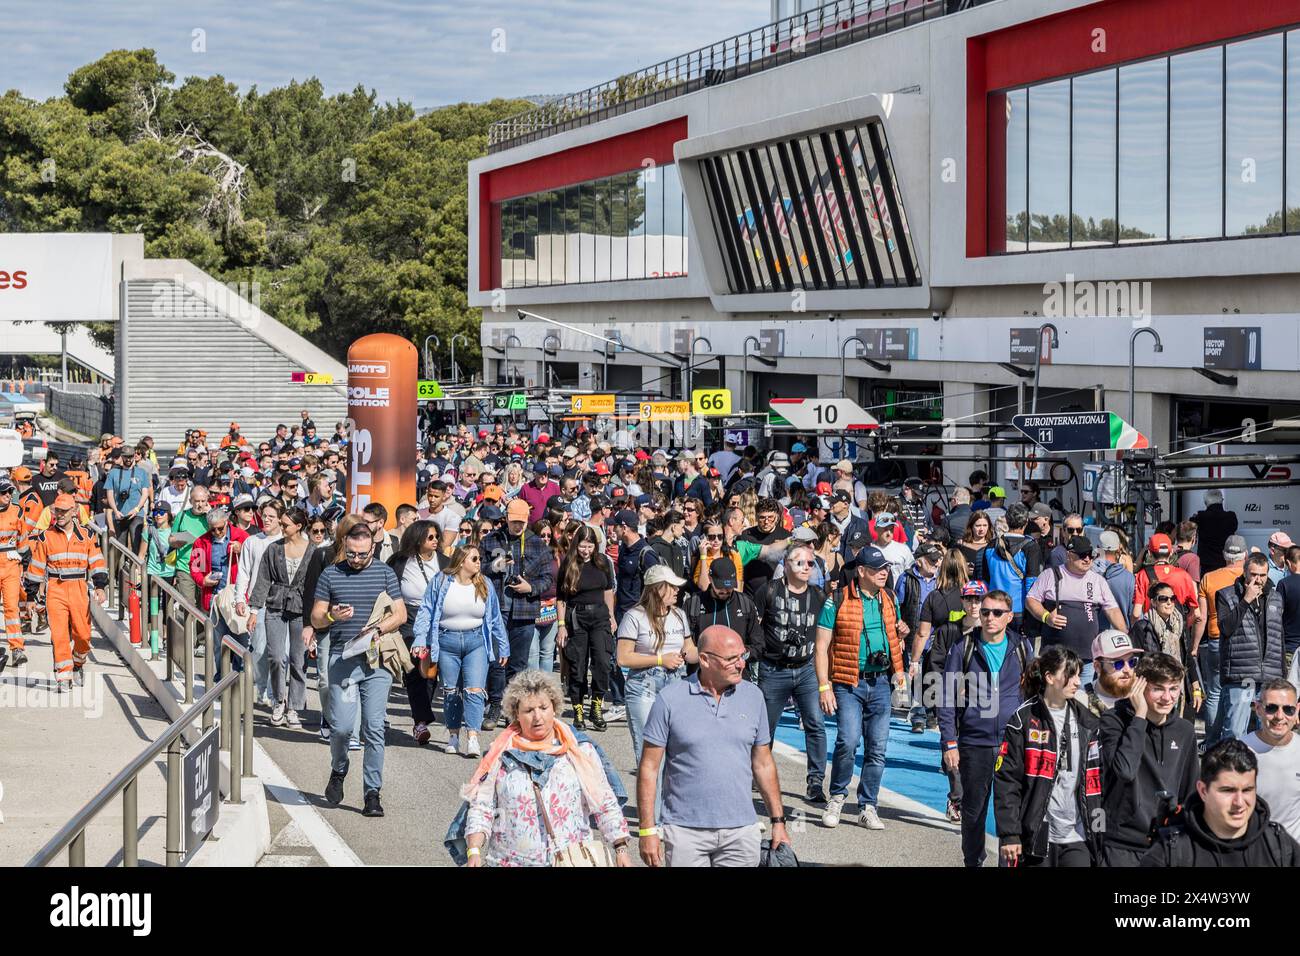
[
  {"x": 73, "y": 834},
  {"x": 829, "y": 27}
]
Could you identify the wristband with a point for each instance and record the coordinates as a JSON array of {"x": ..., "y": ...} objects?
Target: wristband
[
  {"x": 1046, "y": 616},
  {"x": 950, "y": 745},
  {"x": 775, "y": 820},
  {"x": 659, "y": 660},
  {"x": 472, "y": 851},
  {"x": 648, "y": 831},
  {"x": 823, "y": 688},
  {"x": 330, "y": 617}
]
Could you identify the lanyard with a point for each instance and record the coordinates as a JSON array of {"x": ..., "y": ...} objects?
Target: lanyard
[{"x": 1064, "y": 752}]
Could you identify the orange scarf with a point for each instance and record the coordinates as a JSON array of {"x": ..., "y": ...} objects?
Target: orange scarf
[{"x": 591, "y": 777}]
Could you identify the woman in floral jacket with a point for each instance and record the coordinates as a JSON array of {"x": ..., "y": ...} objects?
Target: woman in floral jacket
[{"x": 535, "y": 794}]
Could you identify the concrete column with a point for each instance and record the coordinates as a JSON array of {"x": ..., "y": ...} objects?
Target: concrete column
[{"x": 958, "y": 405}]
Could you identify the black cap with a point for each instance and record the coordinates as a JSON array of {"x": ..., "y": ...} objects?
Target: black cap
[
  {"x": 626, "y": 519},
  {"x": 843, "y": 496},
  {"x": 927, "y": 550},
  {"x": 858, "y": 539},
  {"x": 598, "y": 502},
  {"x": 1080, "y": 546},
  {"x": 722, "y": 573},
  {"x": 489, "y": 513}
]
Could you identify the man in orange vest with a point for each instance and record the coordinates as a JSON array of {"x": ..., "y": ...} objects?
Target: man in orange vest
[
  {"x": 29, "y": 502},
  {"x": 13, "y": 543},
  {"x": 63, "y": 557}
]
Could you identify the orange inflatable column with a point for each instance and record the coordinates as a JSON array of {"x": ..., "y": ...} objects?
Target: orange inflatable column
[{"x": 382, "y": 376}]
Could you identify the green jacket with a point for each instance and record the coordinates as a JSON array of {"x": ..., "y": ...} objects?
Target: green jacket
[{"x": 196, "y": 525}]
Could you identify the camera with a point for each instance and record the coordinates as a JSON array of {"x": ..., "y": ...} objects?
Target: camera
[{"x": 877, "y": 660}]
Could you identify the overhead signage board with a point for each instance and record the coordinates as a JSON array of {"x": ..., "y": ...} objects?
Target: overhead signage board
[
  {"x": 890, "y": 343},
  {"x": 428, "y": 389},
  {"x": 711, "y": 401},
  {"x": 57, "y": 277},
  {"x": 592, "y": 404},
  {"x": 1232, "y": 347},
  {"x": 823, "y": 414},
  {"x": 665, "y": 411},
  {"x": 1024, "y": 346},
  {"x": 1079, "y": 431}
]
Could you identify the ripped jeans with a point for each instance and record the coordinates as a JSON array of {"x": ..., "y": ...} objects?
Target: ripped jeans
[{"x": 463, "y": 663}]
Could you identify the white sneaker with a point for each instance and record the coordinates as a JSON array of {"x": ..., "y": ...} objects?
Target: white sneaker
[
  {"x": 293, "y": 719},
  {"x": 472, "y": 748},
  {"x": 614, "y": 712},
  {"x": 277, "y": 714},
  {"x": 831, "y": 815},
  {"x": 453, "y": 744},
  {"x": 869, "y": 818}
]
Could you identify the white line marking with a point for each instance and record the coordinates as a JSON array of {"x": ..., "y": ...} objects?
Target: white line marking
[{"x": 331, "y": 847}]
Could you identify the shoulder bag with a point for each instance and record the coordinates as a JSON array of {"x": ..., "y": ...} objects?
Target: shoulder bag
[{"x": 590, "y": 852}]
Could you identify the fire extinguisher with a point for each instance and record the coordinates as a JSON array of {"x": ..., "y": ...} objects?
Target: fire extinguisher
[{"x": 133, "y": 607}]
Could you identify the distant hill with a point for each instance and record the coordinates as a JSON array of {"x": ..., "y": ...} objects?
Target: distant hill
[{"x": 537, "y": 99}]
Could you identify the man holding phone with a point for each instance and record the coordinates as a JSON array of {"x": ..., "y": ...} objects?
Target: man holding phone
[{"x": 345, "y": 594}]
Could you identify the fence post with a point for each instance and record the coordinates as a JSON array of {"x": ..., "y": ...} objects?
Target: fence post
[
  {"x": 77, "y": 850},
  {"x": 248, "y": 715},
  {"x": 232, "y": 719},
  {"x": 174, "y": 851},
  {"x": 225, "y": 700},
  {"x": 130, "y": 826},
  {"x": 189, "y": 658},
  {"x": 210, "y": 658}
]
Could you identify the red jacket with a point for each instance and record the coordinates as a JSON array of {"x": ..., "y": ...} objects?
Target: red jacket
[{"x": 201, "y": 563}]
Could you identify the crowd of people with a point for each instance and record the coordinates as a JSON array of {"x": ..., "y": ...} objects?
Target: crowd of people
[{"x": 547, "y": 587}]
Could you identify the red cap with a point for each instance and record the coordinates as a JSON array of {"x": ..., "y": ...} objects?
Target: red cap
[
  {"x": 543, "y": 438},
  {"x": 618, "y": 491},
  {"x": 1160, "y": 544},
  {"x": 824, "y": 488},
  {"x": 482, "y": 433},
  {"x": 516, "y": 450},
  {"x": 602, "y": 468},
  {"x": 641, "y": 455}
]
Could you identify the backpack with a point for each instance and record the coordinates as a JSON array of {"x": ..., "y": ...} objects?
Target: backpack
[
  {"x": 1178, "y": 851},
  {"x": 1008, "y": 572},
  {"x": 1021, "y": 654}
]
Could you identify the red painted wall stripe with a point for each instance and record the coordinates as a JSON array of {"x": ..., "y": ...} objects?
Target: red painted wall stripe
[
  {"x": 618, "y": 154},
  {"x": 1062, "y": 44}
]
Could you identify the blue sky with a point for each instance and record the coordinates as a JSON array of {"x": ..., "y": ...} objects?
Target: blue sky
[{"x": 427, "y": 53}]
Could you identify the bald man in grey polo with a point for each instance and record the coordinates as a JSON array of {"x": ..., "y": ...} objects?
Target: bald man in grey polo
[{"x": 708, "y": 803}]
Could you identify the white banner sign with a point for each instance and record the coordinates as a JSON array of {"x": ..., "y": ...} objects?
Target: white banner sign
[
  {"x": 56, "y": 277},
  {"x": 1260, "y": 511}
]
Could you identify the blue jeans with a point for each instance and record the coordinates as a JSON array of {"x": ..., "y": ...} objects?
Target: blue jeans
[
  {"x": 520, "y": 636},
  {"x": 356, "y": 687},
  {"x": 1208, "y": 662},
  {"x": 323, "y": 685},
  {"x": 541, "y": 656},
  {"x": 862, "y": 715},
  {"x": 463, "y": 660},
  {"x": 1235, "y": 709},
  {"x": 261, "y": 662},
  {"x": 642, "y": 687},
  {"x": 778, "y": 684}
]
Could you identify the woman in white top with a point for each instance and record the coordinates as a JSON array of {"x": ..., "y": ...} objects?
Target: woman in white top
[
  {"x": 460, "y": 622},
  {"x": 416, "y": 562},
  {"x": 250, "y": 559},
  {"x": 654, "y": 641}
]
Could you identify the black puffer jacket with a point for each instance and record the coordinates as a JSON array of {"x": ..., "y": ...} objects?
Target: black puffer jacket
[
  {"x": 1188, "y": 841},
  {"x": 1251, "y": 644}
]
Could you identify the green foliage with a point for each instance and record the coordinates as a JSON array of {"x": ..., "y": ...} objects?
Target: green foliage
[{"x": 350, "y": 215}]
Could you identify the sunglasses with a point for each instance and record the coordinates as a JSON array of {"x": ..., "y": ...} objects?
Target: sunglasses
[
  {"x": 1119, "y": 665},
  {"x": 993, "y": 612},
  {"x": 713, "y": 537},
  {"x": 1288, "y": 709},
  {"x": 317, "y": 530},
  {"x": 1167, "y": 599},
  {"x": 432, "y": 536},
  {"x": 356, "y": 555}
]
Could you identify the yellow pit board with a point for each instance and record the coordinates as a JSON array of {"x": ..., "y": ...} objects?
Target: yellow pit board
[
  {"x": 711, "y": 401},
  {"x": 592, "y": 404},
  {"x": 665, "y": 411}
]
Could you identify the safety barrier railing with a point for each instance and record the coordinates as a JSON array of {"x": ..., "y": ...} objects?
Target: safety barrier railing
[
  {"x": 828, "y": 27},
  {"x": 234, "y": 692}
]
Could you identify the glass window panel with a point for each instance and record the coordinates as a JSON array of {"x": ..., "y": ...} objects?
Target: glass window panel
[
  {"x": 1049, "y": 164},
  {"x": 1143, "y": 178},
  {"x": 827, "y": 213},
  {"x": 603, "y": 206},
  {"x": 774, "y": 221},
  {"x": 587, "y": 232},
  {"x": 874, "y": 171},
  {"x": 1293, "y": 131},
  {"x": 1253, "y": 173},
  {"x": 784, "y": 213},
  {"x": 1196, "y": 144},
  {"x": 572, "y": 234},
  {"x": 528, "y": 239},
  {"x": 542, "y": 241},
  {"x": 636, "y": 226},
  {"x": 557, "y": 238},
  {"x": 903, "y": 238},
  {"x": 1017, "y": 179},
  {"x": 1092, "y": 160},
  {"x": 863, "y": 169},
  {"x": 672, "y": 219},
  {"x": 721, "y": 226},
  {"x": 749, "y": 242},
  {"x": 503, "y": 253},
  {"x": 839, "y": 167},
  {"x": 618, "y": 228},
  {"x": 654, "y": 219}
]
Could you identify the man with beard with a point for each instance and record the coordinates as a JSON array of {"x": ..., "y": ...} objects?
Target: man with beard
[
  {"x": 767, "y": 530},
  {"x": 1115, "y": 658},
  {"x": 1149, "y": 762}
]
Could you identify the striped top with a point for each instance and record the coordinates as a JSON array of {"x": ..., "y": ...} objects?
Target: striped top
[{"x": 341, "y": 584}]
